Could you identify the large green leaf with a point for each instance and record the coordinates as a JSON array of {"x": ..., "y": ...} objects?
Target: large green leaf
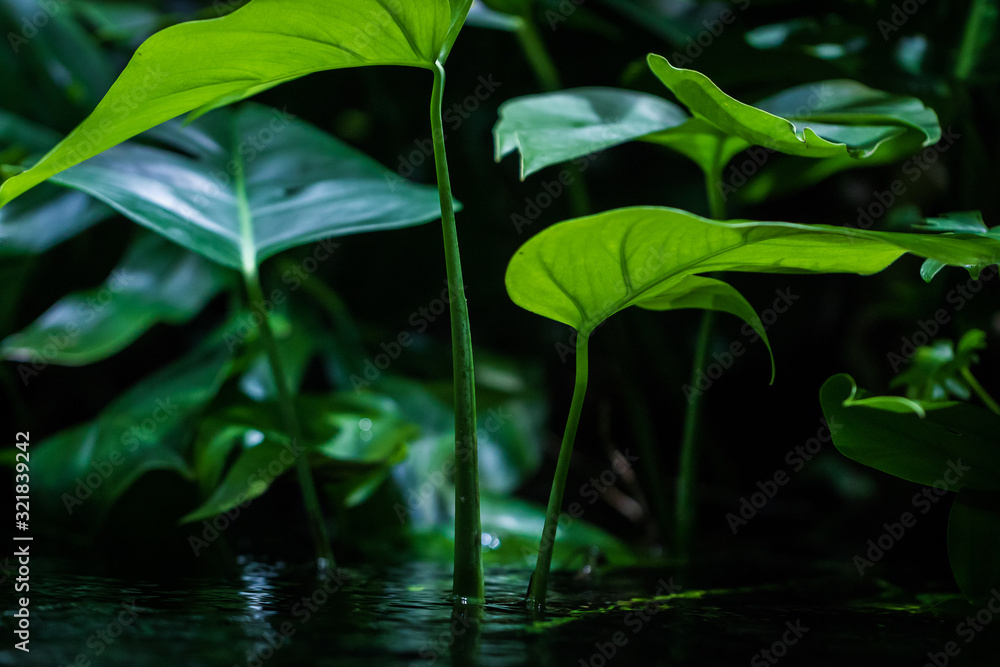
[
  {"x": 555, "y": 127},
  {"x": 838, "y": 120},
  {"x": 83, "y": 470},
  {"x": 974, "y": 542},
  {"x": 259, "y": 183},
  {"x": 823, "y": 119},
  {"x": 582, "y": 271},
  {"x": 155, "y": 282},
  {"x": 927, "y": 442},
  {"x": 201, "y": 65}
]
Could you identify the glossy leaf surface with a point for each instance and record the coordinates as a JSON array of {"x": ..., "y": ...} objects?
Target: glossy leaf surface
[
  {"x": 823, "y": 119},
  {"x": 202, "y": 65},
  {"x": 260, "y": 183},
  {"x": 555, "y": 127},
  {"x": 155, "y": 282}
]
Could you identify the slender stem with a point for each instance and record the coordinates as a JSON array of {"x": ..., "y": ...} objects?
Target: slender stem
[
  {"x": 324, "y": 553},
  {"x": 468, "y": 585},
  {"x": 713, "y": 179},
  {"x": 548, "y": 78},
  {"x": 540, "y": 579},
  {"x": 983, "y": 395},
  {"x": 686, "y": 505},
  {"x": 971, "y": 38},
  {"x": 536, "y": 53}
]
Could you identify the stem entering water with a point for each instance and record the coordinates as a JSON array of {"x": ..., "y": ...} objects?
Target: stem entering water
[
  {"x": 540, "y": 579},
  {"x": 468, "y": 585}
]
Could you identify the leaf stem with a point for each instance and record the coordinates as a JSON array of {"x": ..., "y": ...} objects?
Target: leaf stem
[
  {"x": 983, "y": 395},
  {"x": 686, "y": 504},
  {"x": 538, "y": 587},
  {"x": 468, "y": 583},
  {"x": 317, "y": 526},
  {"x": 968, "y": 55}
]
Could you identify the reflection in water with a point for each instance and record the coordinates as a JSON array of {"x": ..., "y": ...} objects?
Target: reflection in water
[{"x": 281, "y": 615}]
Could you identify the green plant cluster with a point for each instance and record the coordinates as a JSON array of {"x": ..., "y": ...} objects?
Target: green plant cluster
[{"x": 240, "y": 202}]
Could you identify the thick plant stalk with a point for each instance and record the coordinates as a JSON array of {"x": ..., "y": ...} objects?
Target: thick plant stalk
[
  {"x": 317, "y": 526},
  {"x": 538, "y": 587},
  {"x": 468, "y": 584}
]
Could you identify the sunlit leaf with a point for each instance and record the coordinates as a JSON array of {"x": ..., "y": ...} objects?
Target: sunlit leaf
[
  {"x": 582, "y": 271},
  {"x": 201, "y": 65},
  {"x": 823, "y": 119}
]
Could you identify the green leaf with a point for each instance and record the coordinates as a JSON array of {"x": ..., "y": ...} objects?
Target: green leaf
[
  {"x": 824, "y": 119},
  {"x": 974, "y": 543},
  {"x": 963, "y": 222},
  {"x": 155, "y": 282},
  {"x": 47, "y": 215},
  {"x": 202, "y": 65},
  {"x": 261, "y": 182},
  {"x": 556, "y": 127},
  {"x": 953, "y": 444},
  {"x": 582, "y": 271},
  {"x": 82, "y": 471},
  {"x": 352, "y": 440}
]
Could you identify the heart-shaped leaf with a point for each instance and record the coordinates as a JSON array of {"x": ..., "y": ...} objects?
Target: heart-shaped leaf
[
  {"x": 155, "y": 282},
  {"x": 260, "y": 182},
  {"x": 582, "y": 271},
  {"x": 555, "y": 127},
  {"x": 942, "y": 443},
  {"x": 202, "y": 65}
]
